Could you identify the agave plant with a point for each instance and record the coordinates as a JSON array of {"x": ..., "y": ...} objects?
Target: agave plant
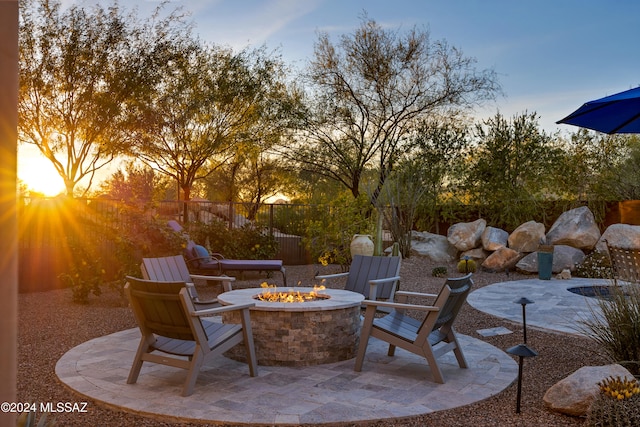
[{"x": 28, "y": 419}]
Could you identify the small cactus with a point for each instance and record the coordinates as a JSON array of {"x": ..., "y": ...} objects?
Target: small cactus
[
  {"x": 466, "y": 265},
  {"x": 617, "y": 404},
  {"x": 439, "y": 272},
  {"x": 618, "y": 388}
]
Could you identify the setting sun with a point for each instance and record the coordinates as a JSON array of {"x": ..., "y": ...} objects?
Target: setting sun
[{"x": 38, "y": 174}]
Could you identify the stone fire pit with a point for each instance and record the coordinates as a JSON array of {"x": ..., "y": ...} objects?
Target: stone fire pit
[{"x": 324, "y": 330}]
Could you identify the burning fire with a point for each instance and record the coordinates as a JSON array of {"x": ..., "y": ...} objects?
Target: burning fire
[{"x": 271, "y": 294}]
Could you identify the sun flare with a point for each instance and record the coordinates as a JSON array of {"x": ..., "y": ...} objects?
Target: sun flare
[{"x": 39, "y": 176}]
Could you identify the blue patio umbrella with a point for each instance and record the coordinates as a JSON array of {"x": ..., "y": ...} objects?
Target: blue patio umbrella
[{"x": 619, "y": 113}]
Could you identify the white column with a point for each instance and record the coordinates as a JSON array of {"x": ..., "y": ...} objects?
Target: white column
[{"x": 8, "y": 221}]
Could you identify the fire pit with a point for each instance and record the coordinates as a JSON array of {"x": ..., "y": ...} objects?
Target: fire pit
[{"x": 324, "y": 329}]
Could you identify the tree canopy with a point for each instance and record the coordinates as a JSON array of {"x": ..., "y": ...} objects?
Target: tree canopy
[
  {"x": 367, "y": 92},
  {"x": 210, "y": 103},
  {"x": 79, "y": 69}
]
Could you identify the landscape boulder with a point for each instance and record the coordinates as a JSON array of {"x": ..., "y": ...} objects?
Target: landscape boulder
[
  {"x": 501, "y": 259},
  {"x": 574, "y": 394},
  {"x": 576, "y": 227},
  {"x": 622, "y": 235},
  {"x": 477, "y": 254},
  {"x": 564, "y": 258},
  {"x": 466, "y": 235},
  {"x": 494, "y": 238},
  {"x": 527, "y": 237},
  {"x": 433, "y": 246}
]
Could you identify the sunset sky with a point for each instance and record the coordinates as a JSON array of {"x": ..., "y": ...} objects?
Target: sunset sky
[{"x": 551, "y": 55}]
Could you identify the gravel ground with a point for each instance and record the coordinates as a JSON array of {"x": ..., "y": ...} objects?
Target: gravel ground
[{"x": 50, "y": 324}]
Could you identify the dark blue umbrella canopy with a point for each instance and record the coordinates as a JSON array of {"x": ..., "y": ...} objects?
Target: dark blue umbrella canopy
[{"x": 619, "y": 113}]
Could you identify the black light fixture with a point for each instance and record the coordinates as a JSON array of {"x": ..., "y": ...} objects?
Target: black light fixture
[
  {"x": 522, "y": 350},
  {"x": 524, "y": 301}
]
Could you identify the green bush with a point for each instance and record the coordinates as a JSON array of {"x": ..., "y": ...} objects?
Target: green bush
[
  {"x": 329, "y": 232},
  {"x": 439, "y": 271},
  {"x": 616, "y": 330},
  {"x": 595, "y": 265},
  {"x": 246, "y": 242},
  {"x": 99, "y": 250}
]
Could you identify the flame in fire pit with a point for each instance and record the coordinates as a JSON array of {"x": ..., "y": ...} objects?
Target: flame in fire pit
[{"x": 271, "y": 294}]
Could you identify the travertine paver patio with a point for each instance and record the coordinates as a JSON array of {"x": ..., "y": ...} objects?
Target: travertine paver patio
[
  {"x": 386, "y": 388},
  {"x": 554, "y": 308}
]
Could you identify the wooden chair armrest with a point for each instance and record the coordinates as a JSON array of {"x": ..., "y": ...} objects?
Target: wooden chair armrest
[
  {"x": 226, "y": 280},
  {"x": 399, "y": 306},
  {"x": 209, "y": 302},
  {"x": 222, "y": 309},
  {"x": 415, "y": 294},
  {"x": 384, "y": 280},
  {"x": 214, "y": 278},
  {"x": 332, "y": 276},
  {"x": 373, "y": 285}
]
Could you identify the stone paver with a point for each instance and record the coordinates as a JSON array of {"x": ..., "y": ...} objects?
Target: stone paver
[
  {"x": 554, "y": 308},
  {"x": 386, "y": 388}
]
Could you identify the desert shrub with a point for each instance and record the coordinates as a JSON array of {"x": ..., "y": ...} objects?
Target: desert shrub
[
  {"x": 246, "y": 242},
  {"x": 249, "y": 242},
  {"x": 331, "y": 228},
  {"x": 106, "y": 245},
  {"x": 616, "y": 330},
  {"x": 595, "y": 265}
]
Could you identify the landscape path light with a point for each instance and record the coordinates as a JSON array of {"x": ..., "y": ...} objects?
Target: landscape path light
[{"x": 522, "y": 350}]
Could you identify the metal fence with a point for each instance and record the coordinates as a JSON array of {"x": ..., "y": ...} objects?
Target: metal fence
[
  {"x": 45, "y": 223},
  {"x": 285, "y": 222}
]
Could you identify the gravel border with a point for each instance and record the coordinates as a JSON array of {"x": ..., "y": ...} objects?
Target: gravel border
[{"x": 50, "y": 324}]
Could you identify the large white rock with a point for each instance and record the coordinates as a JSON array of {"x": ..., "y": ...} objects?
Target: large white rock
[
  {"x": 564, "y": 258},
  {"x": 526, "y": 237},
  {"x": 433, "y": 246},
  {"x": 501, "y": 259},
  {"x": 576, "y": 227},
  {"x": 477, "y": 254},
  {"x": 574, "y": 394},
  {"x": 623, "y": 235},
  {"x": 466, "y": 235}
]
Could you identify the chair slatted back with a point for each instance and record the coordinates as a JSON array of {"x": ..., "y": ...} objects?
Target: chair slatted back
[
  {"x": 364, "y": 268},
  {"x": 451, "y": 298},
  {"x": 625, "y": 263},
  {"x": 166, "y": 269},
  {"x": 159, "y": 308}
]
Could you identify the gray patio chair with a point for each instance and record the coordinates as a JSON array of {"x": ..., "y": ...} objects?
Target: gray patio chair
[
  {"x": 431, "y": 337},
  {"x": 171, "y": 325},
  {"x": 174, "y": 269},
  {"x": 375, "y": 277}
]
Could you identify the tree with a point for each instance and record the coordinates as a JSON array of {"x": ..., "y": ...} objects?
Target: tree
[
  {"x": 367, "y": 93},
  {"x": 511, "y": 170},
  {"x": 136, "y": 184},
  {"x": 596, "y": 165},
  {"x": 79, "y": 69},
  {"x": 438, "y": 149},
  {"x": 209, "y": 102}
]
